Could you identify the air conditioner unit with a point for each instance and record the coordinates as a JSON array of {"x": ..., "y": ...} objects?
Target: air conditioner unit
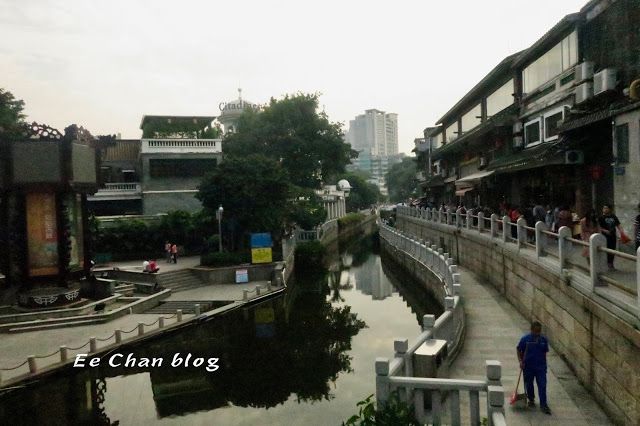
[
  {"x": 604, "y": 81},
  {"x": 518, "y": 142},
  {"x": 517, "y": 127},
  {"x": 583, "y": 71},
  {"x": 574, "y": 157},
  {"x": 584, "y": 92},
  {"x": 483, "y": 162}
]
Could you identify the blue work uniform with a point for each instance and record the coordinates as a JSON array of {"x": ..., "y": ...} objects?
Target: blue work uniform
[{"x": 535, "y": 349}]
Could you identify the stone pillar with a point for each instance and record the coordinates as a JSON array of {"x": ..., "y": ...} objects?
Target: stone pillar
[
  {"x": 382, "y": 386},
  {"x": 564, "y": 246},
  {"x": 506, "y": 228},
  {"x": 598, "y": 259},
  {"x": 469, "y": 219},
  {"x": 522, "y": 232},
  {"x": 541, "y": 238},
  {"x": 494, "y": 225}
]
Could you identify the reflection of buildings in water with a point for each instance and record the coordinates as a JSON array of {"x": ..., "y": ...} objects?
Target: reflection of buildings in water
[{"x": 370, "y": 279}]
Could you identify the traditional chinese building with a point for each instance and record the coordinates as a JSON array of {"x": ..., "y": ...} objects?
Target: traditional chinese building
[{"x": 44, "y": 182}]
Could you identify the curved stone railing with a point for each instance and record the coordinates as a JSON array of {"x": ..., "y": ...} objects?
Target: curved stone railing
[
  {"x": 424, "y": 260},
  {"x": 590, "y": 314}
]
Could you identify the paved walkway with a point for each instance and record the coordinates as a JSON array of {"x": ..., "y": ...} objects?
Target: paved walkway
[
  {"x": 493, "y": 328},
  {"x": 136, "y": 265},
  {"x": 17, "y": 346}
]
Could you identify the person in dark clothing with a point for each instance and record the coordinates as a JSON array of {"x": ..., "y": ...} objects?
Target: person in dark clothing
[
  {"x": 636, "y": 228},
  {"x": 608, "y": 224},
  {"x": 532, "y": 353}
]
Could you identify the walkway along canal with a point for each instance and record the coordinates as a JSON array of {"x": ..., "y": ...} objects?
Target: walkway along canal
[{"x": 304, "y": 357}]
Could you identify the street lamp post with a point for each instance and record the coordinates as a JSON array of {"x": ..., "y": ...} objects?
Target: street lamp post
[{"x": 219, "y": 217}]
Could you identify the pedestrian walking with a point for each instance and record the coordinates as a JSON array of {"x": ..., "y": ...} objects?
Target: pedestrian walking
[
  {"x": 549, "y": 218},
  {"x": 588, "y": 226},
  {"x": 565, "y": 218},
  {"x": 532, "y": 353},
  {"x": 636, "y": 228},
  {"x": 167, "y": 251},
  {"x": 539, "y": 213},
  {"x": 174, "y": 253},
  {"x": 609, "y": 222}
]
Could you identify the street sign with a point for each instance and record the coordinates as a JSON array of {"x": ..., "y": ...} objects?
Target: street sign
[
  {"x": 242, "y": 276},
  {"x": 261, "y": 240},
  {"x": 261, "y": 255}
]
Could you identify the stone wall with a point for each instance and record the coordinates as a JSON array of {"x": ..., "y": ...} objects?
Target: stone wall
[
  {"x": 452, "y": 327},
  {"x": 601, "y": 344}
]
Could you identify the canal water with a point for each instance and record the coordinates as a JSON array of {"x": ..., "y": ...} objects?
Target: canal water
[{"x": 303, "y": 358}]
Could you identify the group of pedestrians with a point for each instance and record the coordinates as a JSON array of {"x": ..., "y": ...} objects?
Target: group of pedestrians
[{"x": 171, "y": 252}]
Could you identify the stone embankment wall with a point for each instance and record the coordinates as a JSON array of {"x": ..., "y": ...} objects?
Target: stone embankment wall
[
  {"x": 429, "y": 275},
  {"x": 600, "y": 343}
]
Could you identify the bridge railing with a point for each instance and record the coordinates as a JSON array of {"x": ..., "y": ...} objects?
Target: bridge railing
[
  {"x": 397, "y": 373},
  {"x": 591, "y": 258}
]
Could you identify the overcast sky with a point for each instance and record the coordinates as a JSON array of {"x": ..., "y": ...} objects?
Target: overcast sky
[{"x": 104, "y": 64}]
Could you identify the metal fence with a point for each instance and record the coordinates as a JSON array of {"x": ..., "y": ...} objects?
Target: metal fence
[
  {"x": 590, "y": 259},
  {"x": 397, "y": 373}
]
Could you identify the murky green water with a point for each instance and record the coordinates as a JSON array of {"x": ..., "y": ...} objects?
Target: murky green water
[{"x": 303, "y": 358}]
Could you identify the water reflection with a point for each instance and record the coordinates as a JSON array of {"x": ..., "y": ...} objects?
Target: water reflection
[{"x": 302, "y": 358}]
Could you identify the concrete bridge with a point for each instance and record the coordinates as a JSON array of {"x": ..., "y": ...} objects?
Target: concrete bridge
[{"x": 590, "y": 315}]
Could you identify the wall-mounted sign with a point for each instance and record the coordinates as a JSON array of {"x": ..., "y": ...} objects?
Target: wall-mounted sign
[
  {"x": 242, "y": 276},
  {"x": 261, "y": 255}
]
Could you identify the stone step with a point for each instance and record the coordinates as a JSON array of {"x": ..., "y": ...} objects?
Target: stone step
[
  {"x": 187, "y": 306},
  {"x": 36, "y": 327}
]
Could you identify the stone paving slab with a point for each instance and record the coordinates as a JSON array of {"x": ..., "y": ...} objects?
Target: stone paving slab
[{"x": 493, "y": 328}]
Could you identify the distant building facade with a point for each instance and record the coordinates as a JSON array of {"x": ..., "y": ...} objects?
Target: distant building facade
[
  {"x": 374, "y": 135},
  {"x": 160, "y": 172},
  {"x": 556, "y": 123}
]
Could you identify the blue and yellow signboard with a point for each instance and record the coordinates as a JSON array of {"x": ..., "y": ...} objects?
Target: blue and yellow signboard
[{"x": 261, "y": 248}]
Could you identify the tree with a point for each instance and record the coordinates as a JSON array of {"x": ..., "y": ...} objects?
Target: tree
[
  {"x": 254, "y": 192},
  {"x": 306, "y": 209},
  {"x": 11, "y": 115},
  {"x": 293, "y": 132},
  {"x": 363, "y": 194},
  {"x": 401, "y": 180}
]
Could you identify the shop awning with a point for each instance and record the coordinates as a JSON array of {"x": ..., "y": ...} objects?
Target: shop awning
[
  {"x": 545, "y": 154},
  {"x": 461, "y": 192},
  {"x": 475, "y": 176}
]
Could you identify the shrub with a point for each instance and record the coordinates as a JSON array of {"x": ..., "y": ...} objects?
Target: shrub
[
  {"x": 219, "y": 259},
  {"x": 394, "y": 412},
  {"x": 350, "y": 219},
  {"x": 310, "y": 254}
]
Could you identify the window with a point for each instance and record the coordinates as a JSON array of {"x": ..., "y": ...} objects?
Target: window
[
  {"x": 500, "y": 99},
  {"x": 552, "y": 121},
  {"x": 622, "y": 143},
  {"x": 452, "y": 131},
  {"x": 532, "y": 132},
  {"x": 180, "y": 168},
  {"x": 558, "y": 59},
  {"x": 471, "y": 119}
]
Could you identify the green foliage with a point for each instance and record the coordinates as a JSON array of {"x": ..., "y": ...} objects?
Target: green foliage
[
  {"x": 394, "y": 412},
  {"x": 130, "y": 239},
  {"x": 156, "y": 127},
  {"x": 293, "y": 132},
  {"x": 310, "y": 255},
  {"x": 254, "y": 191},
  {"x": 220, "y": 259},
  {"x": 350, "y": 219},
  {"x": 401, "y": 180},
  {"x": 363, "y": 194},
  {"x": 306, "y": 209},
  {"x": 11, "y": 116}
]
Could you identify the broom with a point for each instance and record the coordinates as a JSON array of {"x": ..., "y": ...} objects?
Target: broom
[{"x": 517, "y": 396}]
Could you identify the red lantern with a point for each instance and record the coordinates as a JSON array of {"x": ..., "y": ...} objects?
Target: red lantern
[{"x": 596, "y": 172}]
